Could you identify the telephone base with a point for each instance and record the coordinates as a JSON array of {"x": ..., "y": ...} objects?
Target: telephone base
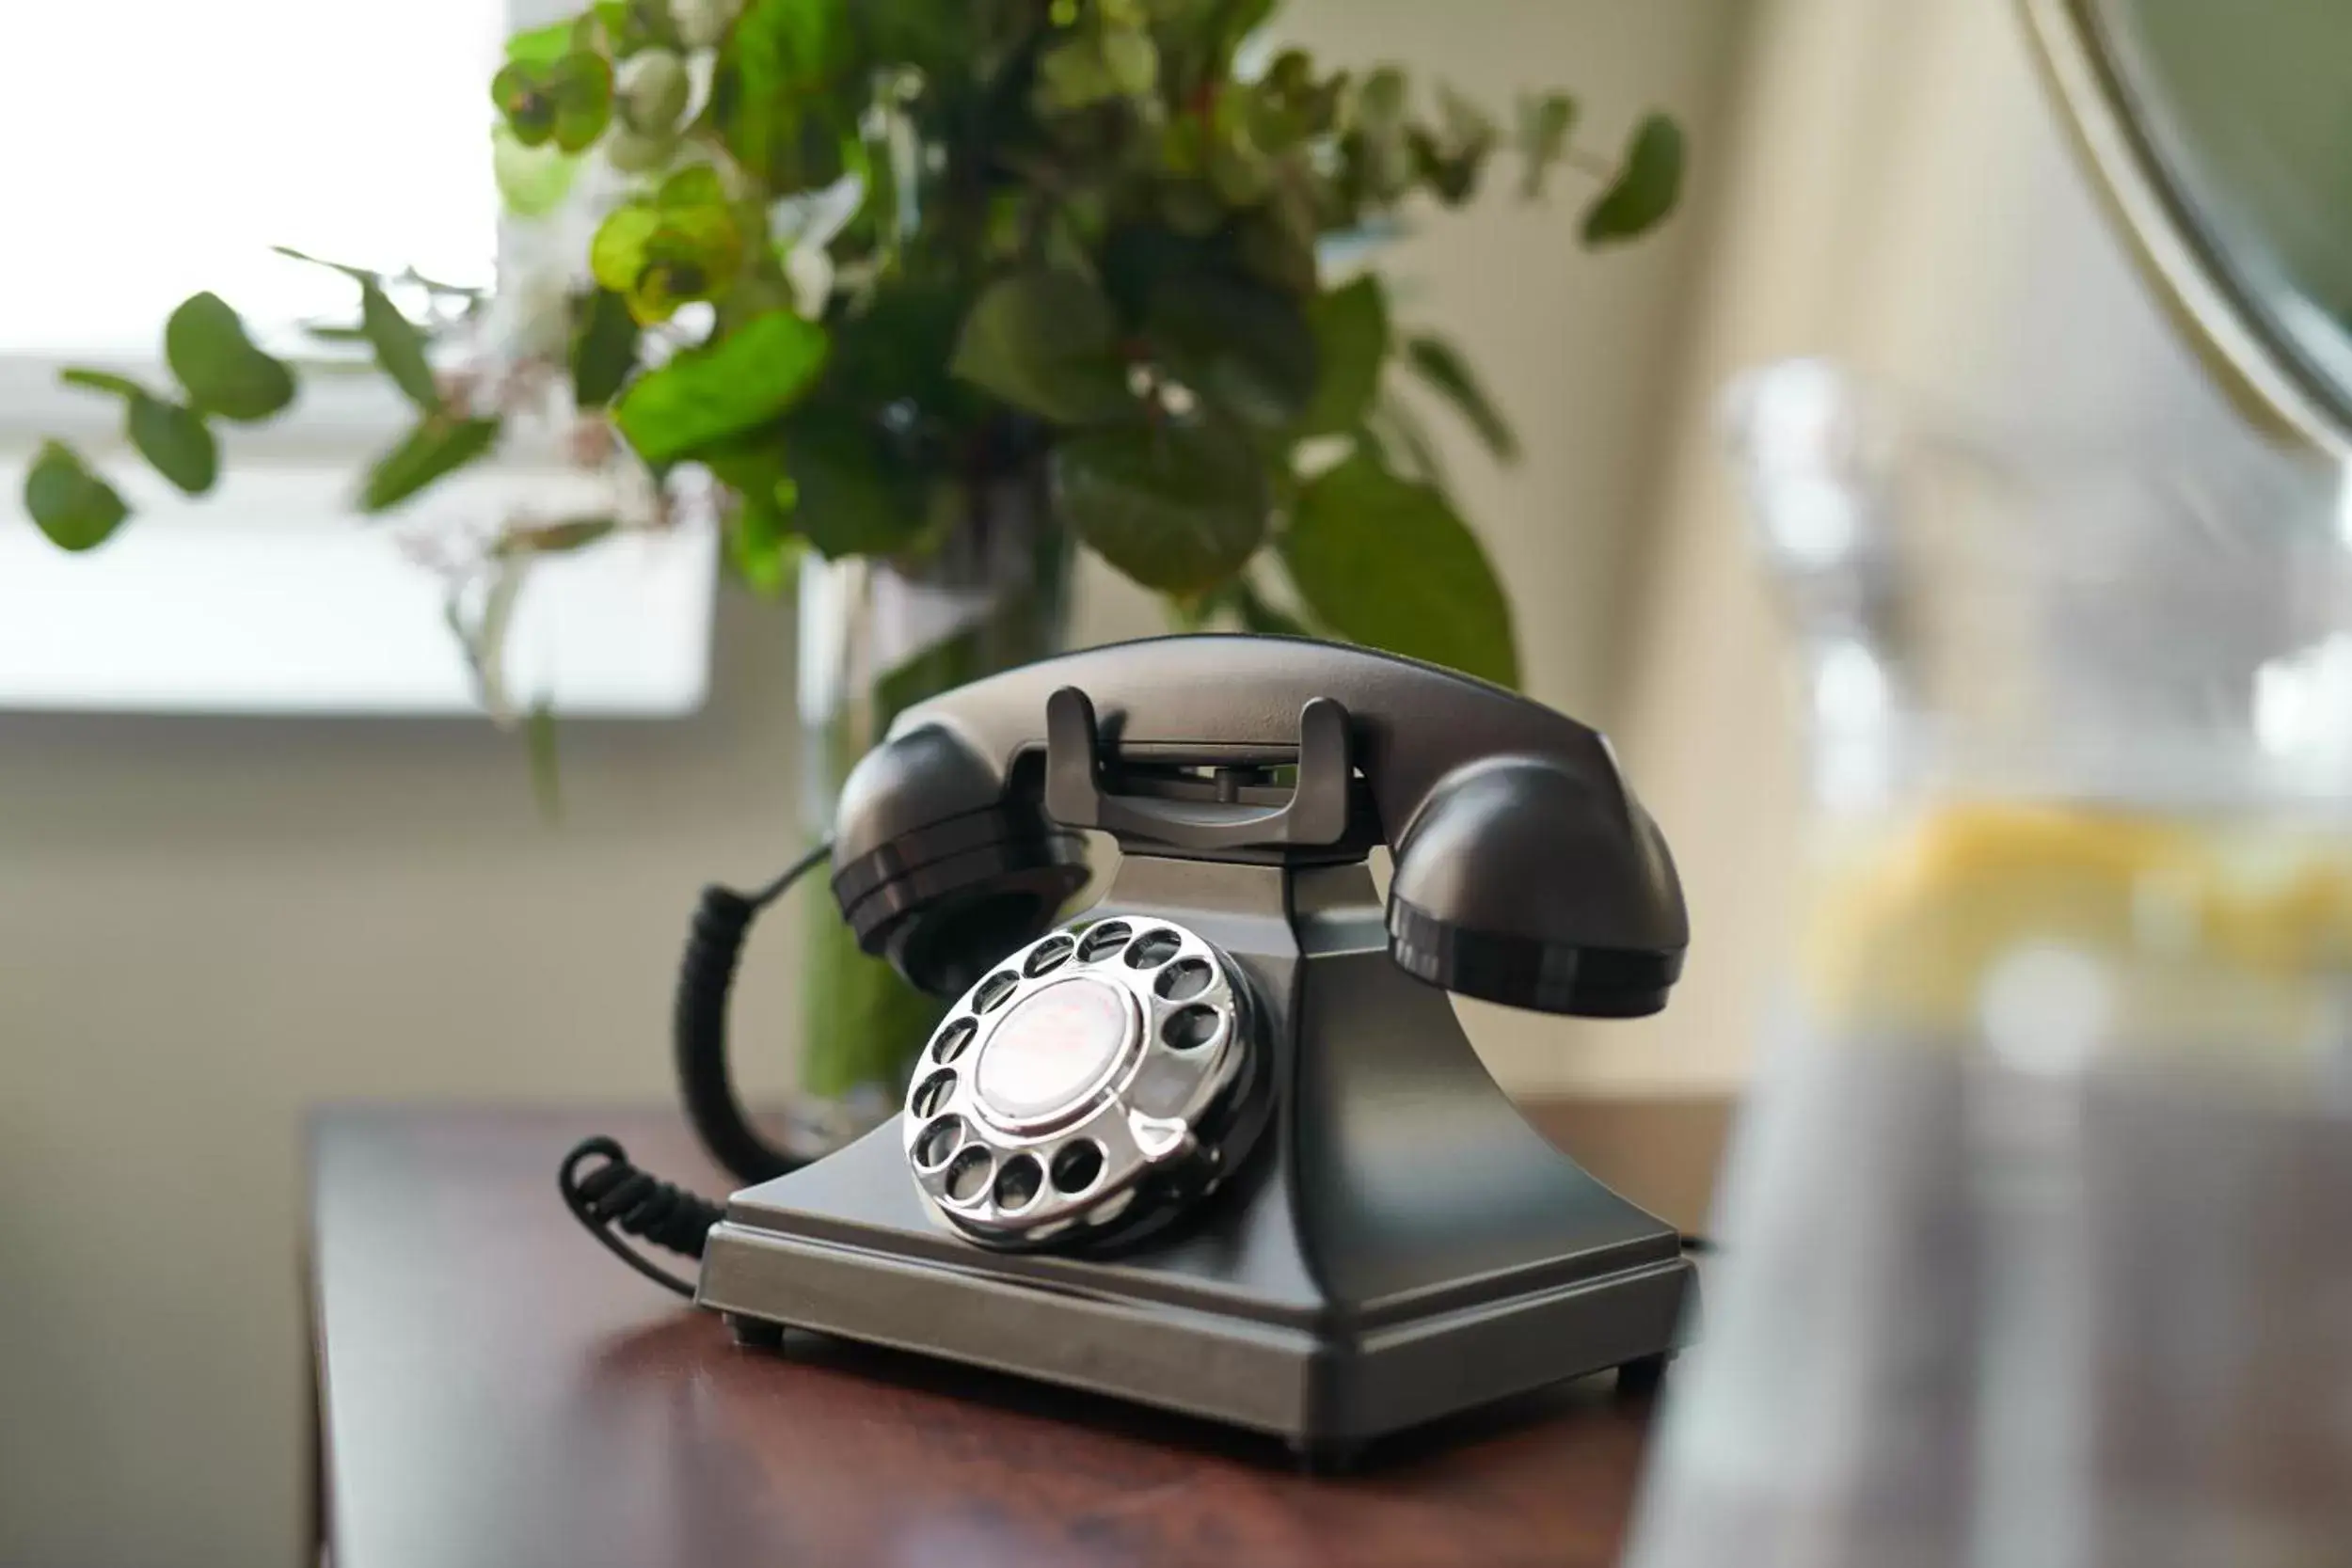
[
  {"x": 855, "y": 1255},
  {"x": 1400, "y": 1246}
]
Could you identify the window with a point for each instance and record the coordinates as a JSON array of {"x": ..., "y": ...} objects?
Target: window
[{"x": 178, "y": 143}]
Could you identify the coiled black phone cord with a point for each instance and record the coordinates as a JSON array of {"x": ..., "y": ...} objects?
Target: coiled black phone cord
[{"x": 615, "y": 1192}]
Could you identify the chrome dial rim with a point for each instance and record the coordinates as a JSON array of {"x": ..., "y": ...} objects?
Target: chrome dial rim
[{"x": 1070, "y": 1076}]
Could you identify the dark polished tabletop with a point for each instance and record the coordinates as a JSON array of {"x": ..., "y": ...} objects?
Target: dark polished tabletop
[{"x": 497, "y": 1389}]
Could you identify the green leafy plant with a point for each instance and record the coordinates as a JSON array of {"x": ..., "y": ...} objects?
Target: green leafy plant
[{"x": 854, "y": 258}]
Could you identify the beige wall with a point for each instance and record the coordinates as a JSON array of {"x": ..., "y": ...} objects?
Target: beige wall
[{"x": 206, "y": 925}]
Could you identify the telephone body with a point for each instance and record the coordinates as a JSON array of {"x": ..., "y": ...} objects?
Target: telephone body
[{"x": 1219, "y": 1144}]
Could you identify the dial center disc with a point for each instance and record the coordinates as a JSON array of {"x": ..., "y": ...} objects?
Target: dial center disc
[{"x": 1051, "y": 1048}]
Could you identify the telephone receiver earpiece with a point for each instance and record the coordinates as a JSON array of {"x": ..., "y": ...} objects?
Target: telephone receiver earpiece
[
  {"x": 1520, "y": 882},
  {"x": 941, "y": 868},
  {"x": 1526, "y": 872}
]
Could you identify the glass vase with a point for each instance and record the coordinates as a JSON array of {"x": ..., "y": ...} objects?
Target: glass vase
[
  {"x": 876, "y": 637},
  {"x": 2038, "y": 1227}
]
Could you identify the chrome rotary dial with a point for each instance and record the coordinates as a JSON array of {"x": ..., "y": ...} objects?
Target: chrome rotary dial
[{"x": 1082, "y": 1080}]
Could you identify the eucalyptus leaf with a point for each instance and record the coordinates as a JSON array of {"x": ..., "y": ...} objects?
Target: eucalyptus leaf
[
  {"x": 1351, "y": 333},
  {"x": 1441, "y": 366},
  {"x": 399, "y": 347},
  {"x": 604, "y": 348},
  {"x": 532, "y": 181},
  {"x": 1244, "y": 346},
  {"x": 525, "y": 102},
  {"x": 778, "y": 74},
  {"x": 849, "y": 499},
  {"x": 101, "y": 381},
  {"x": 75, "y": 508},
  {"x": 737, "y": 382},
  {"x": 1646, "y": 189},
  {"x": 1386, "y": 561},
  {"x": 438, "y": 447},
  {"x": 175, "y": 441},
  {"x": 541, "y": 46},
  {"x": 684, "y": 244},
  {"x": 1545, "y": 120},
  {"x": 580, "y": 84},
  {"x": 1179, "y": 508},
  {"x": 219, "y": 366},
  {"x": 762, "y": 548},
  {"x": 1045, "y": 341}
]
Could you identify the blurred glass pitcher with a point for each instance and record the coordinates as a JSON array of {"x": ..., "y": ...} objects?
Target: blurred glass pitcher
[{"x": 2038, "y": 1227}]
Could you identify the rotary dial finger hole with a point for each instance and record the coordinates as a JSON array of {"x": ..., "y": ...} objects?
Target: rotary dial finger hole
[
  {"x": 1019, "y": 1183},
  {"x": 1182, "y": 980},
  {"x": 952, "y": 1041},
  {"x": 931, "y": 1098},
  {"x": 1102, "y": 940},
  {"x": 1076, "y": 1167},
  {"x": 1152, "y": 949},
  {"x": 1189, "y": 1028},
  {"x": 1048, "y": 956},
  {"x": 937, "y": 1141},
  {"x": 968, "y": 1174}
]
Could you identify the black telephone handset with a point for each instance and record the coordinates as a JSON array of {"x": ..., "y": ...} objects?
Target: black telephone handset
[
  {"x": 1526, "y": 873},
  {"x": 1213, "y": 1143}
]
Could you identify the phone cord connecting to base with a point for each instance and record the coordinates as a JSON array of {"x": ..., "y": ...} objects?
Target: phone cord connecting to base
[{"x": 614, "y": 1194}]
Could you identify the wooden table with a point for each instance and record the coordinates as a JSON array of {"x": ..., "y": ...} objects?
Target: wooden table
[{"x": 496, "y": 1389}]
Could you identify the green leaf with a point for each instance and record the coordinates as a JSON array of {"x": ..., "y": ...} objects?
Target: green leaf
[
  {"x": 176, "y": 441},
  {"x": 399, "y": 347},
  {"x": 707, "y": 394},
  {"x": 101, "y": 381},
  {"x": 1351, "y": 328},
  {"x": 524, "y": 94},
  {"x": 1242, "y": 345},
  {"x": 604, "y": 348},
  {"x": 1545, "y": 120},
  {"x": 653, "y": 89},
  {"x": 533, "y": 181},
  {"x": 616, "y": 253},
  {"x": 1386, "y": 561},
  {"x": 1071, "y": 77},
  {"x": 762, "y": 548},
  {"x": 682, "y": 244},
  {"x": 1179, "y": 508},
  {"x": 580, "y": 84},
  {"x": 541, "y": 46},
  {"x": 1379, "y": 155},
  {"x": 438, "y": 447},
  {"x": 776, "y": 80},
  {"x": 568, "y": 99},
  {"x": 1452, "y": 160},
  {"x": 220, "y": 367},
  {"x": 1045, "y": 341},
  {"x": 1441, "y": 365},
  {"x": 1646, "y": 187},
  {"x": 75, "y": 508},
  {"x": 849, "y": 498}
]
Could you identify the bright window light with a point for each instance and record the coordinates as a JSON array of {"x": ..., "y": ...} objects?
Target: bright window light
[{"x": 161, "y": 148}]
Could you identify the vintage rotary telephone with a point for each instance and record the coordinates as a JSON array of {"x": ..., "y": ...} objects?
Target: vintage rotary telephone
[{"x": 1219, "y": 1144}]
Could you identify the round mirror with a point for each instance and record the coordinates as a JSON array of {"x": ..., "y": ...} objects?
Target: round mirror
[{"x": 2221, "y": 131}]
